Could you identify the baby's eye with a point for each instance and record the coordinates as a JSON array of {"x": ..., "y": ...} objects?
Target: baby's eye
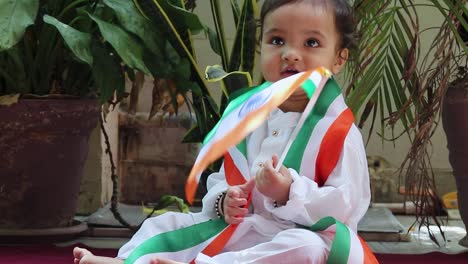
[
  {"x": 277, "y": 41},
  {"x": 312, "y": 43}
]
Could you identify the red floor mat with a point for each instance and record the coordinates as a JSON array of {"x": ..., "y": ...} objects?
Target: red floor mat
[{"x": 49, "y": 254}]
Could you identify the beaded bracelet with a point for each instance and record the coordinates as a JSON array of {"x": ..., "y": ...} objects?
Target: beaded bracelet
[
  {"x": 219, "y": 204},
  {"x": 275, "y": 204}
]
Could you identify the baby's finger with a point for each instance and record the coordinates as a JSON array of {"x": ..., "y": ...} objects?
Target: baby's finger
[
  {"x": 236, "y": 211},
  {"x": 247, "y": 188},
  {"x": 235, "y": 215},
  {"x": 269, "y": 167},
  {"x": 232, "y": 220},
  {"x": 233, "y": 193},
  {"x": 275, "y": 160},
  {"x": 235, "y": 202}
]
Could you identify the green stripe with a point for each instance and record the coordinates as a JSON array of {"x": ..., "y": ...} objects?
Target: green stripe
[
  {"x": 309, "y": 87},
  {"x": 341, "y": 246},
  {"x": 242, "y": 147},
  {"x": 327, "y": 96},
  {"x": 239, "y": 100},
  {"x": 179, "y": 239}
]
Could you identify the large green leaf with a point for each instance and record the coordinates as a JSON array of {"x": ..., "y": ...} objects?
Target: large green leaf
[
  {"x": 15, "y": 17},
  {"x": 243, "y": 50},
  {"x": 78, "y": 42},
  {"x": 160, "y": 12},
  {"x": 218, "y": 39},
  {"x": 132, "y": 20},
  {"x": 124, "y": 44},
  {"x": 107, "y": 72},
  {"x": 242, "y": 56},
  {"x": 213, "y": 38},
  {"x": 182, "y": 18},
  {"x": 235, "y": 10}
]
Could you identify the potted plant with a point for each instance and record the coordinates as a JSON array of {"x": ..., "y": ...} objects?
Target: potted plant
[
  {"x": 138, "y": 167},
  {"x": 79, "y": 51},
  {"x": 64, "y": 58},
  {"x": 394, "y": 80},
  {"x": 48, "y": 109}
]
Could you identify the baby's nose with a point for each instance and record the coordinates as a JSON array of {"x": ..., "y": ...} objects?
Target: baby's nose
[{"x": 291, "y": 54}]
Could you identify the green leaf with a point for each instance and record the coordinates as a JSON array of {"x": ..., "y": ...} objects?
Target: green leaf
[
  {"x": 213, "y": 38},
  {"x": 133, "y": 21},
  {"x": 181, "y": 17},
  {"x": 220, "y": 37},
  {"x": 125, "y": 45},
  {"x": 205, "y": 110},
  {"x": 182, "y": 70},
  {"x": 15, "y": 17},
  {"x": 158, "y": 68},
  {"x": 108, "y": 75},
  {"x": 171, "y": 54},
  {"x": 193, "y": 135},
  {"x": 216, "y": 73},
  {"x": 235, "y": 10},
  {"x": 243, "y": 50},
  {"x": 78, "y": 42}
]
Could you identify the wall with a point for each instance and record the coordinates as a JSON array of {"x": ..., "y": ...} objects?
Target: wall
[
  {"x": 96, "y": 187},
  {"x": 395, "y": 152}
]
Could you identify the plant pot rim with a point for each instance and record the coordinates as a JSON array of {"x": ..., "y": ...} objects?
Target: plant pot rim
[{"x": 56, "y": 96}]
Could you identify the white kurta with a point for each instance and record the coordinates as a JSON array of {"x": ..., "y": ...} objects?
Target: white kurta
[{"x": 268, "y": 234}]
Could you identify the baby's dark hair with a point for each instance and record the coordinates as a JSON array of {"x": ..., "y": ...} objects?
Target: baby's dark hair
[{"x": 344, "y": 17}]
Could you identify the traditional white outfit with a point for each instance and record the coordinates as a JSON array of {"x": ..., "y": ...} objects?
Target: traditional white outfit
[
  {"x": 271, "y": 234},
  {"x": 268, "y": 235}
]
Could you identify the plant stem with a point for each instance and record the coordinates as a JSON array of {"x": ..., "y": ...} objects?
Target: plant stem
[{"x": 115, "y": 196}]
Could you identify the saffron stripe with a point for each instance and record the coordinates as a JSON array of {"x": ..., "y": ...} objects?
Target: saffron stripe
[
  {"x": 369, "y": 257},
  {"x": 332, "y": 146},
  {"x": 235, "y": 133},
  {"x": 233, "y": 174},
  {"x": 220, "y": 241}
]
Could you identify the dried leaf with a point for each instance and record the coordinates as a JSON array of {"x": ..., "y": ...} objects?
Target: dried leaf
[{"x": 9, "y": 99}]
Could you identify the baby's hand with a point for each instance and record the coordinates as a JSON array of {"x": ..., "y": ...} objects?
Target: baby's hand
[
  {"x": 274, "y": 184},
  {"x": 236, "y": 201}
]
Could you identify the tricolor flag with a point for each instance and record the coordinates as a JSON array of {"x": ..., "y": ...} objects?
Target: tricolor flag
[
  {"x": 326, "y": 120},
  {"x": 246, "y": 113}
]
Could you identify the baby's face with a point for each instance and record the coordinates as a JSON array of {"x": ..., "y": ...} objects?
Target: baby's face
[{"x": 298, "y": 37}]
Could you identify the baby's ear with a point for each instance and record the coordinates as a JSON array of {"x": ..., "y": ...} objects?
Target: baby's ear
[{"x": 340, "y": 60}]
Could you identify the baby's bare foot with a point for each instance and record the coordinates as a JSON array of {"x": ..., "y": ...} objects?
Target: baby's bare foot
[
  {"x": 84, "y": 256},
  {"x": 164, "y": 261}
]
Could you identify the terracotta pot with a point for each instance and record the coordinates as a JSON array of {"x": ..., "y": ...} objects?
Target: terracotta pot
[
  {"x": 43, "y": 148},
  {"x": 455, "y": 123}
]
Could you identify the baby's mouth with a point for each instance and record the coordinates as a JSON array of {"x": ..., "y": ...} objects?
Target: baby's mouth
[{"x": 289, "y": 71}]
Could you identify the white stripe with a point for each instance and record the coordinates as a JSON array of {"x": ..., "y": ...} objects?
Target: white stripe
[
  {"x": 309, "y": 158},
  {"x": 356, "y": 253},
  {"x": 316, "y": 78},
  {"x": 232, "y": 119},
  {"x": 240, "y": 161},
  {"x": 319, "y": 82},
  {"x": 185, "y": 255}
]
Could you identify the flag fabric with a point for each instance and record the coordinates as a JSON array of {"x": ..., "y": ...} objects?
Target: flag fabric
[
  {"x": 246, "y": 113},
  {"x": 329, "y": 120}
]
